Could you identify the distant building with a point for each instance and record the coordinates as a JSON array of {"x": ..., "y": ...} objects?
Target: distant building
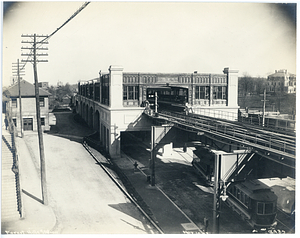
[
  {"x": 281, "y": 81},
  {"x": 28, "y": 106},
  {"x": 44, "y": 85}
]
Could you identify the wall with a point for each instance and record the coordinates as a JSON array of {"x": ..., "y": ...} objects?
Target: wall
[{"x": 29, "y": 111}]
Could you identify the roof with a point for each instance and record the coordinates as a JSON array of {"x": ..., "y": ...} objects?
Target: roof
[
  {"x": 27, "y": 90},
  {"x": 280, "y": 74}
]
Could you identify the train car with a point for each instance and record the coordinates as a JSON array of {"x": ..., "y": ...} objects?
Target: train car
[
  {"x": 169, "y": 97},
  {"x": 255, "y": 202}
]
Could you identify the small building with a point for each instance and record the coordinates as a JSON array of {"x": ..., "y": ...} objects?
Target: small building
[
  {"x": 281, "y": 81},
  {"x": 44, "y": 85},
  {"x": 28, "y": 106}
]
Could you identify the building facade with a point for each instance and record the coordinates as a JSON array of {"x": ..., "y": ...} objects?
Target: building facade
[
  {"x": 113, "y": 103},
  {"x": 281, "y": 81},
  {"x": 28, "y": 102}
]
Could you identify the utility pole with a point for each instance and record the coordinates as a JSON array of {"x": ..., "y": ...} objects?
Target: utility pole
[
  {"x": 19, "y": 71},
  {"x": 38, "y": 40},
  {"x": 216, "y": 205},
  {"x": 264, "y": 108},
  {"x": 153, "y": 155}
]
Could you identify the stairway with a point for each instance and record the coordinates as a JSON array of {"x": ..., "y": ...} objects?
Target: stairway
[{"x": 9, "y": 199}]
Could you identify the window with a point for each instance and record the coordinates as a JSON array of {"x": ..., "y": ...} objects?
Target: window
[
  {"x": 265, "y": 208},
  {"x": 14, "y": 102},
  {"x": 42, "y": 121},
  {"x": 202, "y": 92},
  {"x": 269, "y": 208},
  {"x": 260, "y": 208},
  {"x": 220, "y": 92},
  {"x": 15, "y": 121},
  {"x": 130, "y": 93},
  {"x": 42, "y": 102}
]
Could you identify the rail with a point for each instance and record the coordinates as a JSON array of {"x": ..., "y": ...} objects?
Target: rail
[{"x": 262, "y": 142}]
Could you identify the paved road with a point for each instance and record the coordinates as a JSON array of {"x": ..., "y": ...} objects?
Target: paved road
[{"x": 83, "y": 197}]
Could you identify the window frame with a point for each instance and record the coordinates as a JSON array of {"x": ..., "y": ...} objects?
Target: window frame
[
  {"x": 42, "y": 121},
  {"x": 42, "y": 101},
  {"x": 14, "y": 102}
]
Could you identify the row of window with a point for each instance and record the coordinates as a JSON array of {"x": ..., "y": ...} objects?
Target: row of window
[
  {"x": 203, "y": 92},
  {"x": 14, "y": 102},
  {"x": 265, "y": 208},
  {"x": 42, "y": 121},
  {"x": 240, "y": 195},
  {"x": 262, "y": 208}
]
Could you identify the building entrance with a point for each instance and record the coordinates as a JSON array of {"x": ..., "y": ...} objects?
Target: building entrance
[{"x": 28, "y": 124}]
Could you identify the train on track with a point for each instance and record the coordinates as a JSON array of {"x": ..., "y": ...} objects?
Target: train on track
[
  {"x": 169, "y": 98},
  {"x": 271, "y": 122},
  {"x": 254, "y": 201},
  {"x": 175, "y": 99}
]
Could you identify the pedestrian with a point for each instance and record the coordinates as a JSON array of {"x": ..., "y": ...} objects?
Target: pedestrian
[{"x": 6, "y": 123}]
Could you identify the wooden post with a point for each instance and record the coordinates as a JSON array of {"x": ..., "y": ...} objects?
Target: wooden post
[
  {"x": 39, "y": 128},
  {"x": 20, "y": 101}
]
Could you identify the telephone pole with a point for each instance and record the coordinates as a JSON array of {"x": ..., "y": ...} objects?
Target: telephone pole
[
  {"x": 36, "y": 41},
  {"x": 264, "y": 108},
  {"x": 18, "y": 73}
]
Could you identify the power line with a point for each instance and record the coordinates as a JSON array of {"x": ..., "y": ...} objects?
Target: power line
[
  {"x": 70, "y": 18},
  {"x": 75, "y": 14}
]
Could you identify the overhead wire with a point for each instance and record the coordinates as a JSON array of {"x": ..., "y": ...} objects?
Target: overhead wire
[{"x": 69, "y": 19}]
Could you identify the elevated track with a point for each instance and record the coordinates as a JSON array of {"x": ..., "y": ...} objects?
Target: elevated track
[{"x": 277, "y": 147}]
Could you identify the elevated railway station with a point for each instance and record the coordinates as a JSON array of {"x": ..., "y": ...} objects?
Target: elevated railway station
[
  {"x": 115, "y": 102},
  {"x": 202, "y": 106}
]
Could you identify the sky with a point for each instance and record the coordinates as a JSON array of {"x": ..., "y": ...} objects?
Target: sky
[{"x": 155, "y": 37}]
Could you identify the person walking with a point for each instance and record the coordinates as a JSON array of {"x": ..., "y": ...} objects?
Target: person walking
[{"x": 6, "y": 123}]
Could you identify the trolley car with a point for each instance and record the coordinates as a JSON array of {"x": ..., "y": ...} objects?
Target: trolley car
[{"x": 255, "y": 202}]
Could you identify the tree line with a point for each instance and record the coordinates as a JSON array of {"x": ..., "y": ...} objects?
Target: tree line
[{"x": 251, "y": 85}]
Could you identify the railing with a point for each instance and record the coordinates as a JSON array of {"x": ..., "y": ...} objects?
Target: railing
[
  {"x": 209, "y": 112},
  {"x": 15, "y": 168},
  {"x": 232, "y": 132}
]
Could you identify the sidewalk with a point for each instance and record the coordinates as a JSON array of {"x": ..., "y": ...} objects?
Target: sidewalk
[{"x": 37, "y": 218}]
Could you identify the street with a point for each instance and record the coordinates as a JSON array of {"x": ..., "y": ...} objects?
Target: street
[{"x": 84, "y": 199}]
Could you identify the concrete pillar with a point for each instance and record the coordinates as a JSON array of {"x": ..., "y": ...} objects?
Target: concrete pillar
[
  {"x": 232, "y": 83},
  {"x": 116, "y": 86}
]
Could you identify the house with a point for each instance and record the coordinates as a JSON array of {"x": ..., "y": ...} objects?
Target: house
[
  {"x": 281, "y": 81},
  {"x": 28, "y": 102}
]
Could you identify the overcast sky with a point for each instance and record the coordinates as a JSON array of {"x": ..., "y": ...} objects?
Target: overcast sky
[{"x": 254, "y": 38}]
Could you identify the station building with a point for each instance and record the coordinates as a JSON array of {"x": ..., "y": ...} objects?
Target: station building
[{"x": 114, "y": 102}]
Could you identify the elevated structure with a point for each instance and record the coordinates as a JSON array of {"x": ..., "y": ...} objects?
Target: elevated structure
[{"x": 114, "y": 102}]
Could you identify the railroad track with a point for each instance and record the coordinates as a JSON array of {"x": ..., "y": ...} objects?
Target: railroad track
[
  {"x": 282, "y": 146},
  {"x": 284, "y": 221}
]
